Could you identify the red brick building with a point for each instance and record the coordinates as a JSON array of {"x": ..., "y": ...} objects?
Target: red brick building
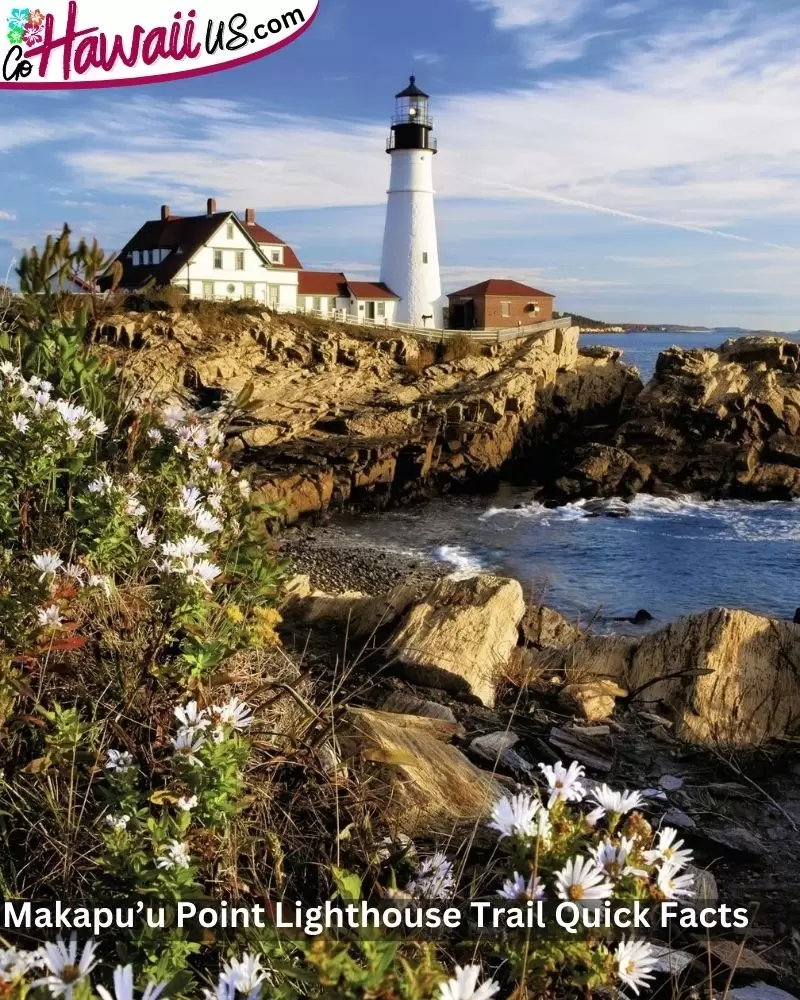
[{"x": 498, "y": 302}]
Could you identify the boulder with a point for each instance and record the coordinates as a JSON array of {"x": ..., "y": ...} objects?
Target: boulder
[
  {"x": 359, "y": 614},
  {"x": 461, "y": 635},
  {"x": 428, "y": 785},
  {"x": 595, "y": 699}
]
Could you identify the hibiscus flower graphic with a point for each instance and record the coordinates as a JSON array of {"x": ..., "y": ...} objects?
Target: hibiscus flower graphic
[
  {"x": 35, "y": 19},
  {"x": 33, "y": 34},
  {"x": 15, "y": 36},
  {"x": 18, "y": 19}
]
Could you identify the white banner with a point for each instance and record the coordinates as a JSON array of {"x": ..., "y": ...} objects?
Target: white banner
[{"x": 93, "y": 43}]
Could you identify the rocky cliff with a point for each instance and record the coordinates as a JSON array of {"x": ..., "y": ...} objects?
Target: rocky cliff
[
  {"x": 721, "y": 423},
  {"x": 341, "y": 416}
]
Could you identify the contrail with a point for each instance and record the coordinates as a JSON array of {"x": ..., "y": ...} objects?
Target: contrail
[{"x": 620, "y": 213}]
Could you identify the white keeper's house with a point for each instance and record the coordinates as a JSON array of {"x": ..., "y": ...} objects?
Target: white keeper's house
[{"x": 219, "y": 256}]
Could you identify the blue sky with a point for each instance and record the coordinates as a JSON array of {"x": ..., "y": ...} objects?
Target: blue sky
[{"x": 640, "y": 160}]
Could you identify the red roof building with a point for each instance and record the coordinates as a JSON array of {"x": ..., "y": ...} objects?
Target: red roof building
[{"x": 498, "y": 303}]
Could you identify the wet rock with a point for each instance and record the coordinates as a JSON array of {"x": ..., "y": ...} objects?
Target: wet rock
[
  {"x": 671, "y": 782},
  {"x": 735, "y": 839},
  {"x": 669, "y": 961},
  {"x": 759, "y": 991},
  {"x": 679, "y": 819},
  {"x": 460, "y": 637}
]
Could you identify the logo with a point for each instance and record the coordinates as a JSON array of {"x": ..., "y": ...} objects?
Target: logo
[{"x": 90, "y": 43}]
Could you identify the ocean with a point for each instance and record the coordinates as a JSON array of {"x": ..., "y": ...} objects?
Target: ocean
[{"x": 670, "y": 557}]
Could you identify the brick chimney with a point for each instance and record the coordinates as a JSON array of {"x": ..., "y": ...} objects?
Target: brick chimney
[
  {"x": 212, "y": 206},
  {"x": 164, "y": 213},
  {"x": 250, "y": 216}
]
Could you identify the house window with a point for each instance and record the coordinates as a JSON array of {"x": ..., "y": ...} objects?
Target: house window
[
  {"x": 217, "y": 260},
  {"x": 276, "y": 256},
  {"x": 381, "y": 308},
  {"x": 249, "y": 291},
  {"x": 273, "y": 295},
  {"x": 231, "y": 289},
  {"x": 240, "y": 260},
  {"x": 317, "y": 304},
  {"x": 208, "y": 289},
  {"x": 135, "y": 258},
  {"x": 332, "y": 305},
  {"x": 505, "y": 309},
  {"x": 230, "y": 230},
  {"x": 425, "y": 258}
]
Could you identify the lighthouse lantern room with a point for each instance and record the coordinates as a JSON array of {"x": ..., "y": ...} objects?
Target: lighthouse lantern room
[{"x": 410, "y": 262}]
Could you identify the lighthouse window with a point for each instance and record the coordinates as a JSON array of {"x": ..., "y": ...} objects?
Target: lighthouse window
[
  {"x": 381, "y": 309},
  {"x": 230, "y": 230},
  {"x": 424, "y": 258},
  {"x": 240, "y": 260},
  {"x": 505, "y": 309},
  {"x": 217, "y": 260}
]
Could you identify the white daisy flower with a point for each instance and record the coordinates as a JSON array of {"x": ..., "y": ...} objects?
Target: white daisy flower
[
  {"x": 215, "y": 465},
  {"x": 75, "y": 435},
  {"x": 190, "y": 499},
  {"x": 217, "y": 734},
  {"x": 613, "y": 858},
  {"x": 47, "y": 563},
  {"x": 173, "y": 417},
  {"x": 245, "y": 489},
  {"x": 119, "y": 761},
  {"x": 581, "y": 879},
  {"x": 234, "y": 713},
  {"x": 202, "y": 571},
  {"x": 97, "y": 426},
  {"x": 671, "y": 884},
  {"x": 118, "y": 822},
  {"x": 191, "y": 716},
  {"x": 8, "y": 370},
  {"x": 194, "y": 435},
  {"x": 516, "y": 816},
  {"x": 616, "y": 802},
  {"x": 155, "y": 435},
  {"x": 145, "y": 538},
  {"x": 635, "y": 963},
  {"x": 215, "y": 498},
  {"x": 21, "y": 423},
  {"x": 207, "y": 523},
  {"x": 123, "y": 986},
  {"x": 16, "y": 964},
  {"x": 100, "y": 485},
  {"x": 433, "y": 879},
  {"x": 70, "y": 413},
  {"x": 101, "y": 582},
  {"x": 186, "y": 548},
  {"x": 464, "y": 985},
  {"x": 669, "y": 850},
  {"x": 187, "y": 804},
  {"x": 176, "y": 855},
  {"x": 65, "y": 969},
  {"x": 50, "y": 617},
  {"x": 594, "y": 817},
  {"x": 75, "y": 572},
  {"x": 521, "y": 889},
  {"x": 133, "y": 507},
  {"x": 244, "y": 975},
  {"x": 564, "y": 782},
  {"x": 187, "y": 743}
]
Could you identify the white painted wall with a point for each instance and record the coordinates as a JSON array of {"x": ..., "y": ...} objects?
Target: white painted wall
[
  {"x": 409, "y": 233},
  {"x": 271, "y": 286}
]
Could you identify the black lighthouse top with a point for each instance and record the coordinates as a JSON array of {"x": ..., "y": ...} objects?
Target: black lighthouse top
[{"x": 411, "y": 122}]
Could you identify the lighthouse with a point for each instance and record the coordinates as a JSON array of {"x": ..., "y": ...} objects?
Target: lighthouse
[{"x": 410, "y": 261}]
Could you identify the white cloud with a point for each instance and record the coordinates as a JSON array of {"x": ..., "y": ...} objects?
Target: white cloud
[
  {"x": 7, "y": 216},
  {"x": 525, "y": 13}
]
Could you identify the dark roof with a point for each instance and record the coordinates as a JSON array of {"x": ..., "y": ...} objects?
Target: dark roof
[
  {"x": 262, "y": 235},
  {"x": 184, "y": 237},
  {"x": 370, "y": 290},
  {"x": 323, "y": 283},
  {"x": 412, "y": 90},
  {"x": 502, "y": 286}
]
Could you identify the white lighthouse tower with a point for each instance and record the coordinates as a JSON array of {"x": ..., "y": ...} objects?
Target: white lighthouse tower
[{"x": 410, "y": 262}]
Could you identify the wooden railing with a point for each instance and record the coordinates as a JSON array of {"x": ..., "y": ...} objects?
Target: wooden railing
[{"x": 496, "y": 335}]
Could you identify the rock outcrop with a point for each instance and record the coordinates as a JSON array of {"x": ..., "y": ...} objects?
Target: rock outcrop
[
  {"x": 460, "y": 637},
  {"x": 720, "y": 423},
  {"x": 342, "y": 416},
  {"x": 723, "y": 677}
]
